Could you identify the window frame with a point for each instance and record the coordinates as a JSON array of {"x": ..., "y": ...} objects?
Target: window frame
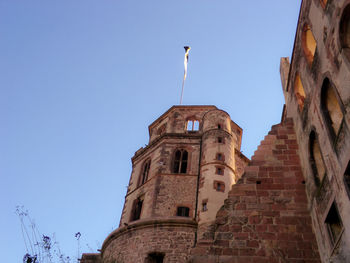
[
  {"x": 178, "y": 163},
  {"x": 183, "y": 211},
  {"x": 143, "y": 178}
]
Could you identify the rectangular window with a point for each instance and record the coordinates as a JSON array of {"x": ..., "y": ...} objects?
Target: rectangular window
[
  {"x": 183, "y": 211},
  {"x": 219, "y": 170},
  {"x": 334, "y": 223},
  {"x": 192, "y": 125},
  {"x": 204, "y": 206}
]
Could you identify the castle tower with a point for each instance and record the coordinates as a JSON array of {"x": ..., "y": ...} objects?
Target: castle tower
[{"x": 178, "y": 182}]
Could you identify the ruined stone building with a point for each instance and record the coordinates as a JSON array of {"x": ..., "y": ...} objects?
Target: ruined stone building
[{"x": 194, "y": 197}]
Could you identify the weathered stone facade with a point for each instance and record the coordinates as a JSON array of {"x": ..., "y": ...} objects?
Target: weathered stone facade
[{"x": 194, "y": 197}]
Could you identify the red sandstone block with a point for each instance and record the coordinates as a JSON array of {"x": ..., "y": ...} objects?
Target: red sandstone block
[
  {"x": 256, "y": 219},
  {"x": 261, "y": 228},
  {"x": 270, "y": 213},
  {"x": 291, "y": 142},
  {"x": 292, "y": 146},
  {"x": 273, "y": 228},
  {"x": 281, "y": 146},
  {"x": 236, "y": 228},
  {"x": 291, "y": 162},
  {"x": 262, "y": 193},
  {"x": 300, "y": 198},
  {"x": 240, "y": 236},
  {"x": 240, "y": 206},
  {"x": 247, "y": 252},
  {"x": 230, "y": 252},
  {"x": 267, "y": 220},
  {"x": 253, "y": 243},
  {"x": 275, "y": 174},
  {"x": 282, "y": 136},
  {"x": 222, "y": 243},
  {"x": 277, "y": 152},
  {"x": 262, "y": 174},
  {"x": 268, "y": 236},
  {"x": 294, "y": 253},
  {"x": 308, "y": 236}
]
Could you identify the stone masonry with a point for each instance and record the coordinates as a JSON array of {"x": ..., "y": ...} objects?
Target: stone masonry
[{"x": 265, "y": 219}]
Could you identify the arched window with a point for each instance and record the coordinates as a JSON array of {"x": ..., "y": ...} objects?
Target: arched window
[
  {"x": 309, "y": 44},
  {"x": 144, "y": 172},
  {"x": 192, "y": 125},
  {"x": 299, "y": 91},
  {"x": 316, "y": 159},
  {"x": 344, "y": 31},
  {"x": 180, "y": 162},
  {"x": 331, "y": 108}
]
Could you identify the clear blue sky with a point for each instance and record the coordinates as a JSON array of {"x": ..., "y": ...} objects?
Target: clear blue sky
[{"x": 81, "y": 80}]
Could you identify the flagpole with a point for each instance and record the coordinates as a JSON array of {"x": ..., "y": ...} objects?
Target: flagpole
[
  {"x": 187, "y": 49},
  {"x": 182, "y": 91}
]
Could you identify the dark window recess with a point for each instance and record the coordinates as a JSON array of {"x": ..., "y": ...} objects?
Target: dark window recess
[
  {"x": 183, "y": 211},
  {"x": 137, "y": 208},
  {"x": 219, "y": 157},
  {"x": 333, "y": 223},
  {"x": 220, "y": 140},
  {"x": 347, "y": 178},
  {"x": 145, "y": 172},
  {"x": 219, "y": 170},
  {"x": 180, "y": 162},
  {"x": 204, "y": 206},
  {"x": 344, "y": 31},
  {"x": 219, "y": 186},
  {"x": 155, "y": 257},
  {"x": 219, "y": 127}
]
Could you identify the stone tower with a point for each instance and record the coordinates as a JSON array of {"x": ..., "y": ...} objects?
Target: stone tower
[{"x": 178, "y": 183}]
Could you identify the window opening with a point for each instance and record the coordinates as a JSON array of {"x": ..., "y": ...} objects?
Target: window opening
[
  {"x": 219, "y": 127},
  {"x": 316, "y": 159},
  {"x": 192, "y": 125},
  {"x": 180, "y": 161},
  {"x": 155, "y": 257},
  {"x": 145, "y": 172},
  {"x": 219, "y": 186},
  {"x": 334, "y": 223},
  {"x": 309, "y": 44},
  {"x": 220, "y": 140},
  {"x": 331, "y": 108},
  {"x": 299, "y": 91},
  {"x": 220, "y": 170},
  {"x": 347, "y": 178},
  {"x": 219, "y": 157},
  {"x": 204, "y": 206},
  {"x": 183, "y": 211},
  {"x": 137, "y": 208},
  {"x": 344, "y": 31}
]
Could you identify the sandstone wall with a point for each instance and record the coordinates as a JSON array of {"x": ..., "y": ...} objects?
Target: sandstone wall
[
  {"x": 173, "y": 238},
  {"x": 265, "y": 218}
]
